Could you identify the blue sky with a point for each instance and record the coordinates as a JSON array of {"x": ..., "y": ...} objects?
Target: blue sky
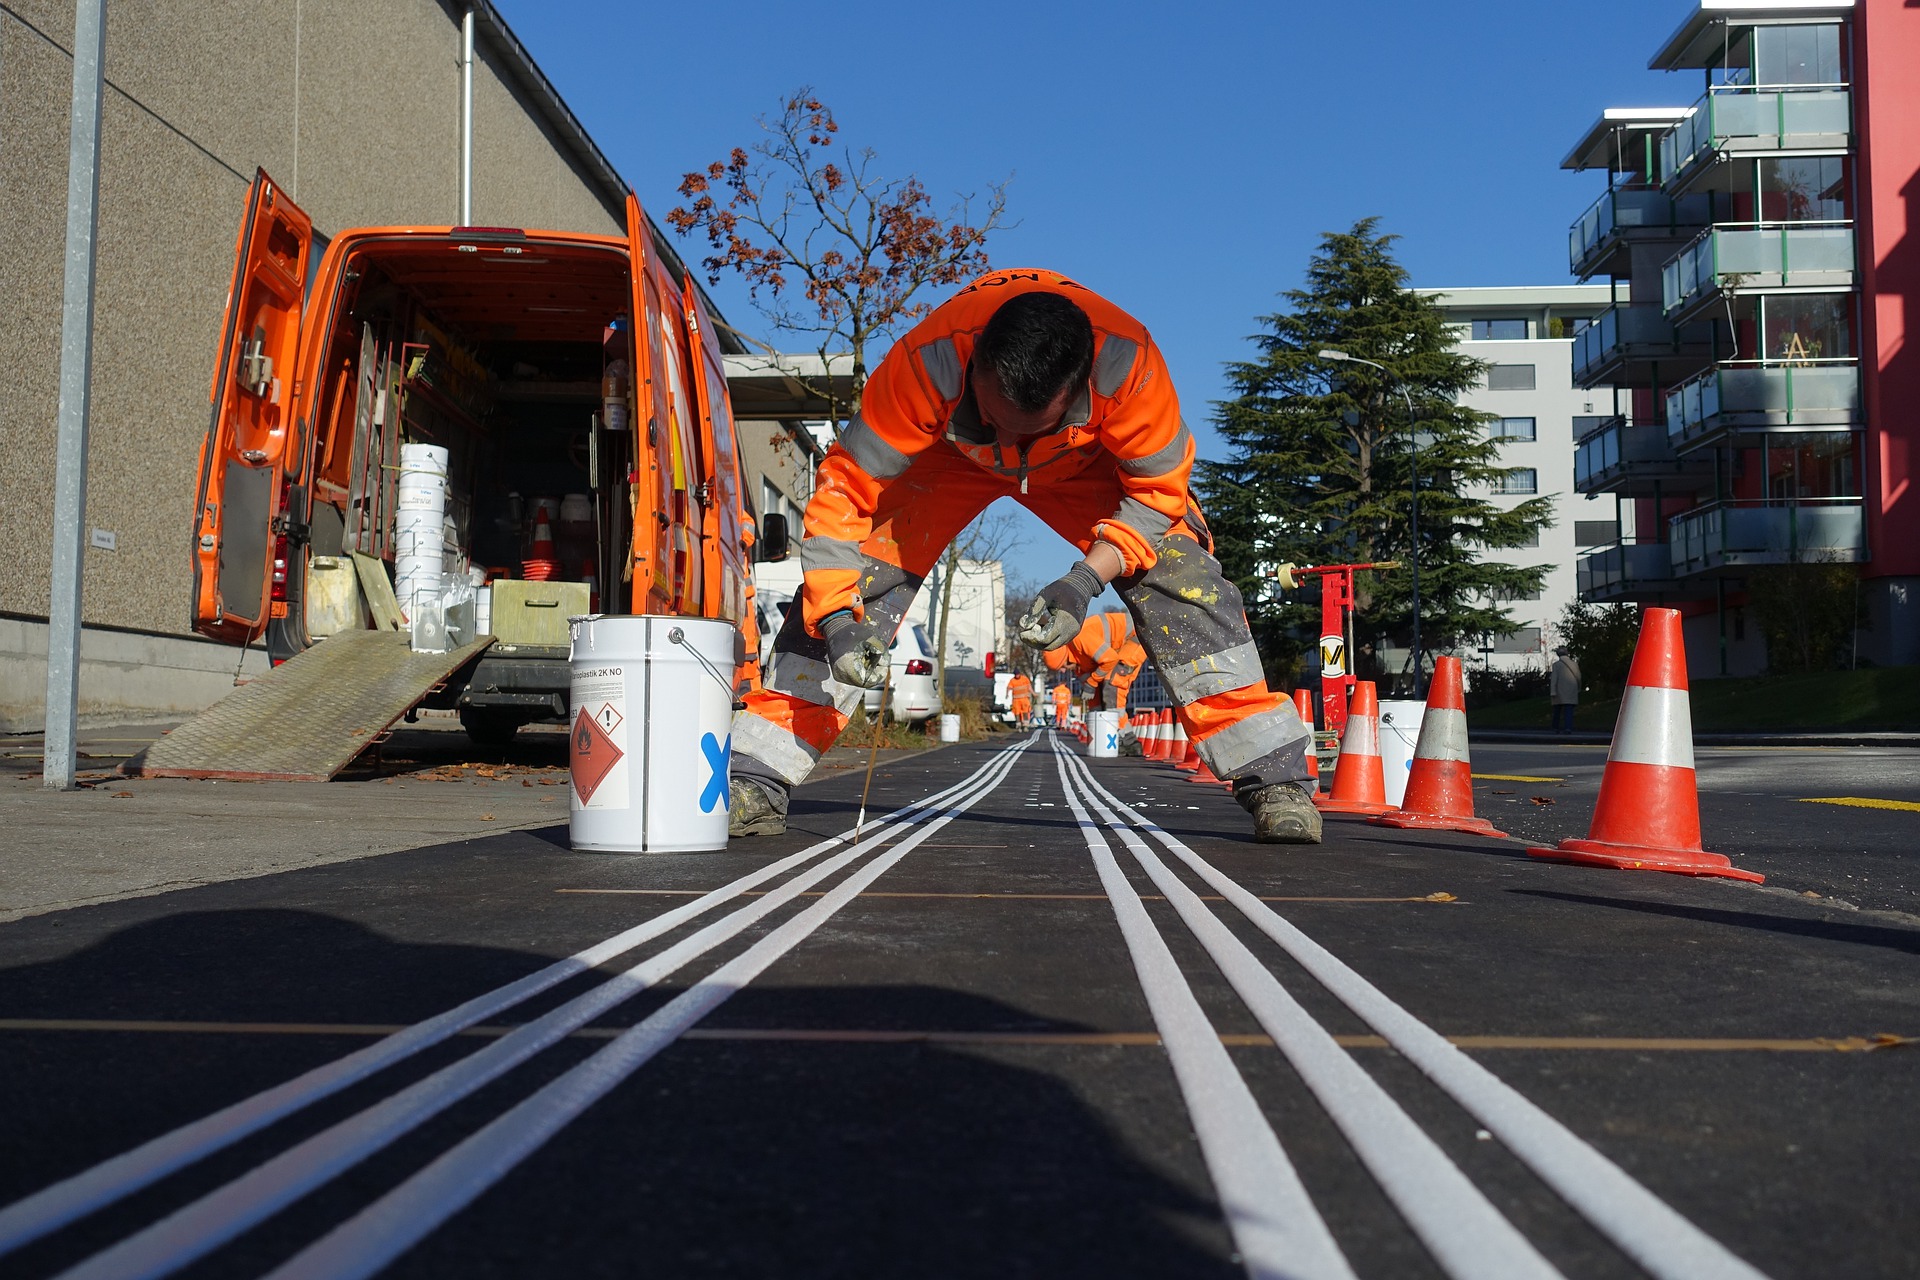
[{"x": 1181, "y": 159}]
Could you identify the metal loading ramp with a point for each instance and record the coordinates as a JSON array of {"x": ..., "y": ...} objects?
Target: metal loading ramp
[{"x": 307, "y": 719}]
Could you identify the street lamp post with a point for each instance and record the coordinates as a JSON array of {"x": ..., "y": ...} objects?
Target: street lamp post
[{"x": 1413, "y": 460}]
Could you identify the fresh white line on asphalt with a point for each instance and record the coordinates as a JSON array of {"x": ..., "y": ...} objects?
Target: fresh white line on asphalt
[
  {"x": 1275, "y": 1227},
  {"x": 1466, "y": 1234},
  {"x": 404, "y": 1216},
  {"x": 217, "y": 1217},
  {"x": 1641, "y": 1224}
]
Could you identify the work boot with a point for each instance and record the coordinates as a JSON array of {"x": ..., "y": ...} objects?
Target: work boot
[
  {"x": 1283, "y": 813},
  {"x": 755, "y": 810},
  {"x": 1130, "y": 744}
]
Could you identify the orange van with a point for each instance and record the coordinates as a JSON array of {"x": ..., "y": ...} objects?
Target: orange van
[{"x": 576, "y": 384}]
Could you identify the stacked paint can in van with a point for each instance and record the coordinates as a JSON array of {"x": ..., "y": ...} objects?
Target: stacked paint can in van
[{"x": 419, "y": 532}]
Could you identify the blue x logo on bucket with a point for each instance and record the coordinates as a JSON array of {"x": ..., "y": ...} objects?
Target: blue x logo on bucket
[{"x": 719, "y": 756}]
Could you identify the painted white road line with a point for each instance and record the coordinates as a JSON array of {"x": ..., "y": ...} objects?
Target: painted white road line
[
  {"x": 217, "y": 1217},
  {"x": 1467, "y": 1236},
  {"x": 404, "y": 1216},
  {"x": 1275, "y": 1227},
  {"x": 1640, "y": 1223}
]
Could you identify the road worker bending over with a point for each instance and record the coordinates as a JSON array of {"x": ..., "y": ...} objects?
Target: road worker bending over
[
  {"x": 1020, "y": 694},
  {"x": 1106, "y": 653},
  {"x": 1023, "y": 385}
]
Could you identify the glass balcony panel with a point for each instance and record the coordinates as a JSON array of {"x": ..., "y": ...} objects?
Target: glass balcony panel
[
  {"x": 1614, "y": 212},
  {"x": 1760, "y": 257},
  {"x": 1743, "y": 119},
  {"x": 1754, "y": 396},
  {"x": 1754, "y": 532},
  {"x": 1619, "y": 570}
]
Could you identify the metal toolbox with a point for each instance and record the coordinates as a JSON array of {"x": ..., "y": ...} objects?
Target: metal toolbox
[{"x": 536, "y": 613}]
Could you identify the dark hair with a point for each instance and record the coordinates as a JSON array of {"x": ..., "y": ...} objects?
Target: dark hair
[{"x": 1037, "y": 345}]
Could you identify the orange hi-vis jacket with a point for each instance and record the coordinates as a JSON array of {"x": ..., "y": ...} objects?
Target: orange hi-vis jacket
[
  {"x": 1020, "y": 688},
  {"x": 1062, "y": 699},
  {"x": 1127, "y": 416},
  {"x": 1105, "y": 649}
]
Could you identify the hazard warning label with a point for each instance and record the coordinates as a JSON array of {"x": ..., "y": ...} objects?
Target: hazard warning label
[{"x": 597, "y": 745}]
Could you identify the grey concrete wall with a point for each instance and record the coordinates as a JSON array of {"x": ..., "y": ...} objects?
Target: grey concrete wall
[
  {"x": 130, "y": 678},
  {"x": 352, "y": 105}
]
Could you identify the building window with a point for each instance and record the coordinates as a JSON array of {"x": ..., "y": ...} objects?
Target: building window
[
  {"x": 1511, "y": 429},
  {"x": 1499, "y": 330},
  {"x": 1510, "y": 377},
  {"x": 1525, "y": 640},
  {"x": 1595, "y": 533},
  {"x": 1519, "y": 480},
  {"x": 1503, "y": 597}
]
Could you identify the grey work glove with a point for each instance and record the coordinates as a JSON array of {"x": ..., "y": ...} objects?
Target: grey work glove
[
  {"x": 856, "y": 650},
  {"x": 1056, "y": 613}
]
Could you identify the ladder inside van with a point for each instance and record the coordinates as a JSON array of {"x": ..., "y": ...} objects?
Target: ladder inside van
[{"x": 306, "y": 720}]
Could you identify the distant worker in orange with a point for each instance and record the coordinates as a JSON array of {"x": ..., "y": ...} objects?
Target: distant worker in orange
[
  {"x": 1020, "y": 692},
  {"x": 1107, "y": 654},
  {"x": 1062, "y": 704},
  {"x": 1028, "y": 385}
]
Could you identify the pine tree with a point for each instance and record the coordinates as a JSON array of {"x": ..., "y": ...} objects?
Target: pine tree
[{"x": 1319, "y": 467}]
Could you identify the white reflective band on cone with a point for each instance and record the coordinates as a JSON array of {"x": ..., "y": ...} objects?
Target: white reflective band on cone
[
  {"x": 1362, "y": 737},
  {"x": 1655, "y": 727},
  {"x": 1443, "y": 735}
]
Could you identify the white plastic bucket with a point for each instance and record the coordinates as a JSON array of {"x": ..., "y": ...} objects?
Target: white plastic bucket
[
  {"x": 949, "y": 728},
  {"x": 651, "y": 738},
  {"x": 1399, "y": 734},
  {"x": 1103, "y": 729}
]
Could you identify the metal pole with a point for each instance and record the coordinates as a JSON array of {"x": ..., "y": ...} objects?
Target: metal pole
[
  {"x": 1413, "y": 553},
  {"x": 76, "y": 372},
  {"x": 466, "y": 120}
]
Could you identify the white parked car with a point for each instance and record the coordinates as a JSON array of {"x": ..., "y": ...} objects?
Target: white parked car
[{"x": 912, "y": 699}]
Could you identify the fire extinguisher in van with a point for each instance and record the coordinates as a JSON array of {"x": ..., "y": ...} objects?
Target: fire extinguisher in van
[{"x": 614, "y": 384}]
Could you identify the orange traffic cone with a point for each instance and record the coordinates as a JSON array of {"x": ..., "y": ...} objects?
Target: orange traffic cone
[
  {"x": 1303, "y": 703},
  {"x": 1359, "y": 777},
  {"x": 1440, "y": 786},
  {"x": 1648, "y": 815},
  {"x": 1184, "y": 758},
  {"x": 541, "y": 562},
  {"x": 1157, "y": 735}
]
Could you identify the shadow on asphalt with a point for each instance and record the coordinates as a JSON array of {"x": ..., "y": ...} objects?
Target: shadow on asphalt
[
  {"x": 1830, "y": 931},
  {"x": 723, "y": 1156}
]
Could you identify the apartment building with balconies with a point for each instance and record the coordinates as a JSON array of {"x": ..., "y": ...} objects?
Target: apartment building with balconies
[
  {"x": 1526, "y": 336},
  {"x": 1758, "y": 242}
]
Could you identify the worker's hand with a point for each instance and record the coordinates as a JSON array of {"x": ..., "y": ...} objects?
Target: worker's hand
[
  {"x": 1056, "y": 613},
  {"x": 856, "y": 650}
]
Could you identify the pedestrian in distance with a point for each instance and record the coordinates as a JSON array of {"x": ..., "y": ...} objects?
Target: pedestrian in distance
[
  {"x": 1020, "y": 694},
  {"x": 1026, "y": 385},
  {"x": 1563, "y": 688}
]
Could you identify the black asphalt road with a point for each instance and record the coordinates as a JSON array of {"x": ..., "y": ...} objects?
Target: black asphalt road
[{"x": 958, "y": 1073}]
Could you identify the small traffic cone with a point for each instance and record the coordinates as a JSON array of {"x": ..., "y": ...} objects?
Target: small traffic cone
[
  {"x": 1184, "y": 757},
  {"x": 1156, "y": 735},
  {"x": 541, "y": 562},
  {"x": 1303, "y": 703},
  {"x": 1359, "y": 777},
  {"x": 1648, "y": 815},
  {"x": 1440, "y": 785}
]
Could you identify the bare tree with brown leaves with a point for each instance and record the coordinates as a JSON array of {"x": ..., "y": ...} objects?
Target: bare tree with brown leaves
[{"x": 801, "y": 208}]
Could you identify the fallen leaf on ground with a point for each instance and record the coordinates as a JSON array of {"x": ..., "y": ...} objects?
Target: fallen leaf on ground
[
  {"x": 123, "y": 795},
  {"x": 1541, "y": 799},
  {"x": 486, "y": 817},
  {"x": 1440, "y": 897}
]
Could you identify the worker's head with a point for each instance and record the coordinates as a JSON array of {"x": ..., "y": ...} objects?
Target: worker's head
[
  {"x": 1563, "y": 651},
  {"x": 1030, "y": 362},
  {"x": 1055, "y": 658}
]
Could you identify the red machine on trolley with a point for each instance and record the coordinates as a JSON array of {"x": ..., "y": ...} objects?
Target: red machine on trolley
[{"x": 1336, "y": 631}]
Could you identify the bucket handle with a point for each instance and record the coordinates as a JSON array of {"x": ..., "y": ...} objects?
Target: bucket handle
[{"x": 679, "y": 637}]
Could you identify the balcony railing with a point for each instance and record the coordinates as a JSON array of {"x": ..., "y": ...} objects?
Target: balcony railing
[
  {"x": 1609, "y": 220},
  {"x": 1746, "y": 118},
  {"x": 1785, "y": 255},
  {"x": 1636, "y": 330},
  {"x": 1763, "y": 531},
  {"x": 1623, "y": 570},
  {"x": 1622, "y": 451},
  {"x": 1732, "y": 396}
]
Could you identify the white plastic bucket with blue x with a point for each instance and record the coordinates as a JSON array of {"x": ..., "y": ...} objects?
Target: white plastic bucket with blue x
[{"x": 650, "y": 725}]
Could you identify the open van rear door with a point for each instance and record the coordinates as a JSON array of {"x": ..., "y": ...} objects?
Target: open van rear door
[
  {"x": 727, "y": 569},
  {"x": 252, "y": 437}
]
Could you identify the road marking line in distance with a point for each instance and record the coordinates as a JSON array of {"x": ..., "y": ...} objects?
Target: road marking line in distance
[
  {"x": 856, "y": 1035},
  {"x": 1274, "y": 1224},
  {"x": 405, "y": 1215},
  {"x": 55, "y": 1206},
  {"x": 1863, "y": 802},
  {"x": 1467, "y": 1236},
  {"x": 1514, "y": 777},
  {"x": 1642, "y": 1225},
  {"x": 1441, "y": 898}
]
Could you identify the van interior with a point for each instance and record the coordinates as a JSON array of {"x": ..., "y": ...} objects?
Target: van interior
[{"x": 506, "y": 356}]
